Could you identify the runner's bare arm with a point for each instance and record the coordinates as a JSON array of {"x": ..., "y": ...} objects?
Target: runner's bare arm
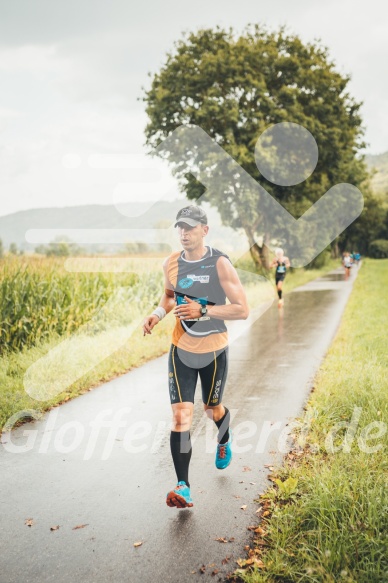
[
  {"x": 238, "y": 308},
  {"x": 273, "y": 262},
  {"x": 167, "y": 302},
  {"x": 287, "y": 261}
]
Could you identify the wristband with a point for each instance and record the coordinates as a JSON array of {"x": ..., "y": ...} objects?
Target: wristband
[{"x": 160, "y": 312}]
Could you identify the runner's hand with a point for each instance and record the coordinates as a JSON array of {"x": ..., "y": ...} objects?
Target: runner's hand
[
  {"x": 149, "y": 323},
  {"x": 188, "y": 311}
]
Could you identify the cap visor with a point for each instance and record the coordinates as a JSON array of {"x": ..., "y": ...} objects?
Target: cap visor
[{"x": 190, "y": 222}]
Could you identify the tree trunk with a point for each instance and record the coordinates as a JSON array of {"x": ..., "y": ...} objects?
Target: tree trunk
[
  {"x": 255, "y": 252},
  {"x": 335, "y": 250},
  {"x": 264, "y": 252},
  {"x": 254, "y": 249}
]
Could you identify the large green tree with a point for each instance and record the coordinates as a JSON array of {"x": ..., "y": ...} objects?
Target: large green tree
[{"x": 236, "y": 86}]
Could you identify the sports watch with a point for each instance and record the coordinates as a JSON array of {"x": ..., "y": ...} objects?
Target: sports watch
[{"x": 203, "y": 310}]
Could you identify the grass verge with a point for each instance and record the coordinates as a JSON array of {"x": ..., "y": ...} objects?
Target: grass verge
[
  {"x": 133, "y": 353},
  {"x": 325, "y": 520}
]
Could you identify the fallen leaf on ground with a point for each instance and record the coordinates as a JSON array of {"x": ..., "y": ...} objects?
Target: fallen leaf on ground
[
  {"x": 236, "y": 496},
  {"x": 29, "y": 521},
  {"x": 54, "y": 527},
  {"x": 253, "y": 483},
  {"x": 243, "y": 506},
  {"x": 247, "y": 469},
  {"x": 249, "y": 562},
  {"x": 215, "y": 572},
  {"x": 231, "y": 539},
  {"x": 79, "y": 526},
  {"x": 138, "y": 544},
  {"x": 203, "y": 569},
  {"x": 221, "y": 540}
]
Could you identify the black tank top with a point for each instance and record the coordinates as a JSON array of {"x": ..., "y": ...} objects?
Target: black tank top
[
  {"x": 199, "y": 281},
  {"x": 281, "y": 268}
]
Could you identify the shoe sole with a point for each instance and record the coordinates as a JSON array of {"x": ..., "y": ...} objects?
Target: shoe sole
[
  {"x": 177, "y": 501},
  {"x": 224, "y": 468}
]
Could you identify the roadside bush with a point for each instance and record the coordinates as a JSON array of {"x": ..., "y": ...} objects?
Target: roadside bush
[{"x": 379, "y": 249}]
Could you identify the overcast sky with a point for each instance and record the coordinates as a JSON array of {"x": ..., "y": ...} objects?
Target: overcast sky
[{"x": 71, "y": 73}]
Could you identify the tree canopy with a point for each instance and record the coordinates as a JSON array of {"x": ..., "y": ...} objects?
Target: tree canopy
[{"x": 236, "y": 86}]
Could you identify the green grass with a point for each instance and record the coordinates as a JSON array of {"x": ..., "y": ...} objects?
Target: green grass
[
  {"x": 89, "y": 340},
  {"x": 332, "y": 524}
]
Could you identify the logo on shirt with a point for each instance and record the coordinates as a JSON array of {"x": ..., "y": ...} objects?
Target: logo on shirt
[
  {"x": 185, "y": 282},
  {"x": 200, "y": 278}
]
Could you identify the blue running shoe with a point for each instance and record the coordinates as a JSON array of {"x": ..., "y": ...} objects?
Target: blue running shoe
[
  {"x": 180, "y": 496},
  {"x": 224, "y": 453}
]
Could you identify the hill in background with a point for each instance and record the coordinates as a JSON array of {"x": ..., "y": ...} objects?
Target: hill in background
[
  {"x": 14, "y": 227},
  {"x": 161, "y": 214}
]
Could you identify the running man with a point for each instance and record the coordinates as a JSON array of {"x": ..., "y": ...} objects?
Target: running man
[
  {"x": 281, "y": 263},
  {"x": 198, "y": 280},
  {"x": 347, "y": 262}
]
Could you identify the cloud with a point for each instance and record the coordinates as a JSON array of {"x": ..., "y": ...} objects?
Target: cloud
[
  {"x": 33, "y": 59},
  {"x": 71, "y": 74}
]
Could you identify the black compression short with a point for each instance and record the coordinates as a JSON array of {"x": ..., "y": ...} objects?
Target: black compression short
[
  {"x": 184, "y": 368},
  {"x": 280, "y": 277}
]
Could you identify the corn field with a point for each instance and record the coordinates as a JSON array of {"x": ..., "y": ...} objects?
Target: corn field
[{"x": 39, "y": 297}]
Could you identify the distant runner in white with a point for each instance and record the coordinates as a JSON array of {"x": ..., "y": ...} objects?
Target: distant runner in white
[{"x": 347, "y": 262}]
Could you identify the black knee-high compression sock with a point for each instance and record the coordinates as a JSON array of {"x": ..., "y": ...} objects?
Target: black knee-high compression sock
[
  {"x": 223, "y": 427},
  {"x": 280, "y": 294},
  {"x": 180, "y": 444}
]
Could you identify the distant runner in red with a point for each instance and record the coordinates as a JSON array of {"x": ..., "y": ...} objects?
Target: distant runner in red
[{"x": 197, "y": 282}]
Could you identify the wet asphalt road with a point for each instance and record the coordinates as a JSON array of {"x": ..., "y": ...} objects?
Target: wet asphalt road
[{"x": 67, "y": 470}]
